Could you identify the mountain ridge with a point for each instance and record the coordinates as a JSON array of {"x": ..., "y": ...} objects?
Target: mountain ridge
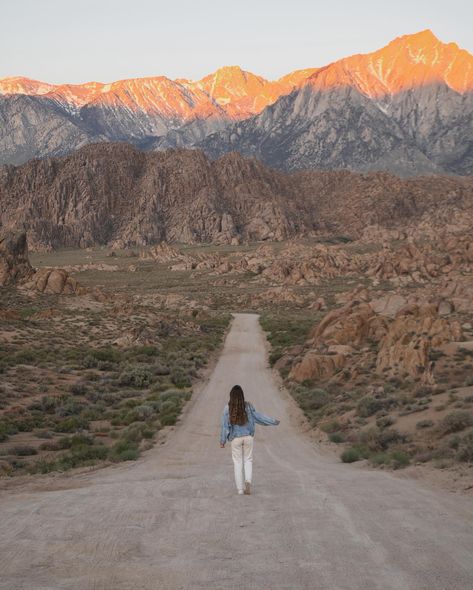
[{"x": 417, "y": 89}]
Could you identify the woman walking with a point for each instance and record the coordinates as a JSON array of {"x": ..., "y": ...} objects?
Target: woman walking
[{"x": 238, "y": 426}]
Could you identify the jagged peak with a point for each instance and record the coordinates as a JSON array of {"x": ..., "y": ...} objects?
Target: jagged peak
[{"x": 424, "y": 36}]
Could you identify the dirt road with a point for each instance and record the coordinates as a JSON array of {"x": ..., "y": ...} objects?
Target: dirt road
[{"x": 173, "y": 521}]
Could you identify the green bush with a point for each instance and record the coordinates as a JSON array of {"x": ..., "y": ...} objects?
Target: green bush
[
  {"x": 124, "y": 450},
  {"x": 169, "y": 418},
  {"x": 336, "y": 437},
  {"x": 350, "y": 455}
]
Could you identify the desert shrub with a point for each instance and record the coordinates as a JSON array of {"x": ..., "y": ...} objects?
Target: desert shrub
[
  {"x": 78, "y": 388},
  {"x": 102, "y": 355},
  {"x": 399, "y": 459},
  {"x": 465, "y": 448},
  {"x": 29, "y": 423},
  {"x": 44, "y": 434},
  {"x": 455, "y": 421},
  {"x": 379, "y": 440},
  {"x": 424, "y": 424},
  {"x": 310, "y": 399},
  {"x": 135, "y": 376},
  {"x": 384, "y": 421},
  {"x": 332, "y": 426},
  {"x": 168, "y": 419},
  {"x": 350, "y": 455},
  {"x": 146, "y": 351},
  {"x": 22, "y": 451},
  {"x": 180, "y": 378},
  {"x": 145, "y": 411},
  {"x": 46, "y": 404},
  {"x": 160, "y": 369},
  {"x": 423, "y": 391},
  {"x": 5, "y": 431},
  {"x": 50, "y": 445},
  {"x": 379, "y": 458},
  {"x": 368, "y": 406},
  {"x": 336, "y": 437},
  {"x": 68, "y": 407},
  {"x": 84, "y": 454},
  {"x": 71, "y": 424},
  {"x": 124, "y": 450}
]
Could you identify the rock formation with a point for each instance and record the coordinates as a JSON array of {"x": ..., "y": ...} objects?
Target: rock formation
[
  {"x": 14, "y": 263},
  {"x": 114, "y": 194}
]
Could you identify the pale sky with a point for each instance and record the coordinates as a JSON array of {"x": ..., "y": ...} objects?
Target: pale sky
[{"x": 61, "y": 41}]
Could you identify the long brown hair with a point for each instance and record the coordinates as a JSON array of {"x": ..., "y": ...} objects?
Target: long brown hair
[{"x": 236, "y": 406}]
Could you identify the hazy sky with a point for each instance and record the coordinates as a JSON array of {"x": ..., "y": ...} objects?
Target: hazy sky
[{"x": 63, "y": 41}]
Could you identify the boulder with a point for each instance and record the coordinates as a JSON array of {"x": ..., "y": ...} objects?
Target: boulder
[
  {"x": 55, "y": 280},
  {"x": 388, "y": 305}
]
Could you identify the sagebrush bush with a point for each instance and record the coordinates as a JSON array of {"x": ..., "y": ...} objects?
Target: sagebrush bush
[
  {"x": 424, "y": 424},
  {"x": 124, "y": 450},
  {"x": 456, "y": 421},
  {"x": 465, "y": 448},
  {"x": 368, "y": 406},
  {"x": 136, "y": 376},
  {"x": 23, "y": 451},
  {"x": 350, "y": 455}
]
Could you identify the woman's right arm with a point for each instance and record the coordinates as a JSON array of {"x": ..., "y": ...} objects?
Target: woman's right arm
[{"x": 224, "y": 428}]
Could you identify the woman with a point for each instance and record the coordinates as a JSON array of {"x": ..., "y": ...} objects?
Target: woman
[{"x": 238, "y": 426}]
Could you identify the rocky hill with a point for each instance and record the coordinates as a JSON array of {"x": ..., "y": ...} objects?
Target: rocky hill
[
  {"x": 406, "y": 108},
  {"x": 115, "y": 194}
]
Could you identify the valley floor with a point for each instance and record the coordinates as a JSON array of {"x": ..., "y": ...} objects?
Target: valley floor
[{"x": 173, "y": 520}]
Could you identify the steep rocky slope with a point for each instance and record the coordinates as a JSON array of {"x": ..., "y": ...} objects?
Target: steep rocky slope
[
  {"x": 115, "y": 194},
  {"x": 406, "y": 108}
]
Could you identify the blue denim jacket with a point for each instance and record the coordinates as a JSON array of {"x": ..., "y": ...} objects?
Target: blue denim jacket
[{"x": 230, "y": 431}]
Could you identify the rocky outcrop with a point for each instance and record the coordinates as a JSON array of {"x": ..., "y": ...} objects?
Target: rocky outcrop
[
  {"x": 415, "y": 331},
  {"x": 14, "y": 263},
  {"x": 314, "y": 366},
  {"x": 55, "y": 280},
  {"x": 389, "y": 335}
]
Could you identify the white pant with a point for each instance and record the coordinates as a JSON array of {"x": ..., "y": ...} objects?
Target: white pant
[{"x": 242, "y": 455}]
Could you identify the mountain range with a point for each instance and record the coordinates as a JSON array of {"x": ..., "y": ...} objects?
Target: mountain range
[
  {"x": 117, "y": 195},
  {"x": 406, "y": 108}
]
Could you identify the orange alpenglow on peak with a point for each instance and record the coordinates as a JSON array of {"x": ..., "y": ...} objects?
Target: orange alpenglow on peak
[
  {"x": 410, "y": 61},
  {"x": 407, "y": 62}
]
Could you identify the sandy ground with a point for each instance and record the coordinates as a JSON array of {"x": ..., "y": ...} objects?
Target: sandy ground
[{"x": 172, "y": 520}]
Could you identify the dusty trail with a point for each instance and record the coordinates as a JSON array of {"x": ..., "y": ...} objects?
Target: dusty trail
[{"x": 173, "y": 521}]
